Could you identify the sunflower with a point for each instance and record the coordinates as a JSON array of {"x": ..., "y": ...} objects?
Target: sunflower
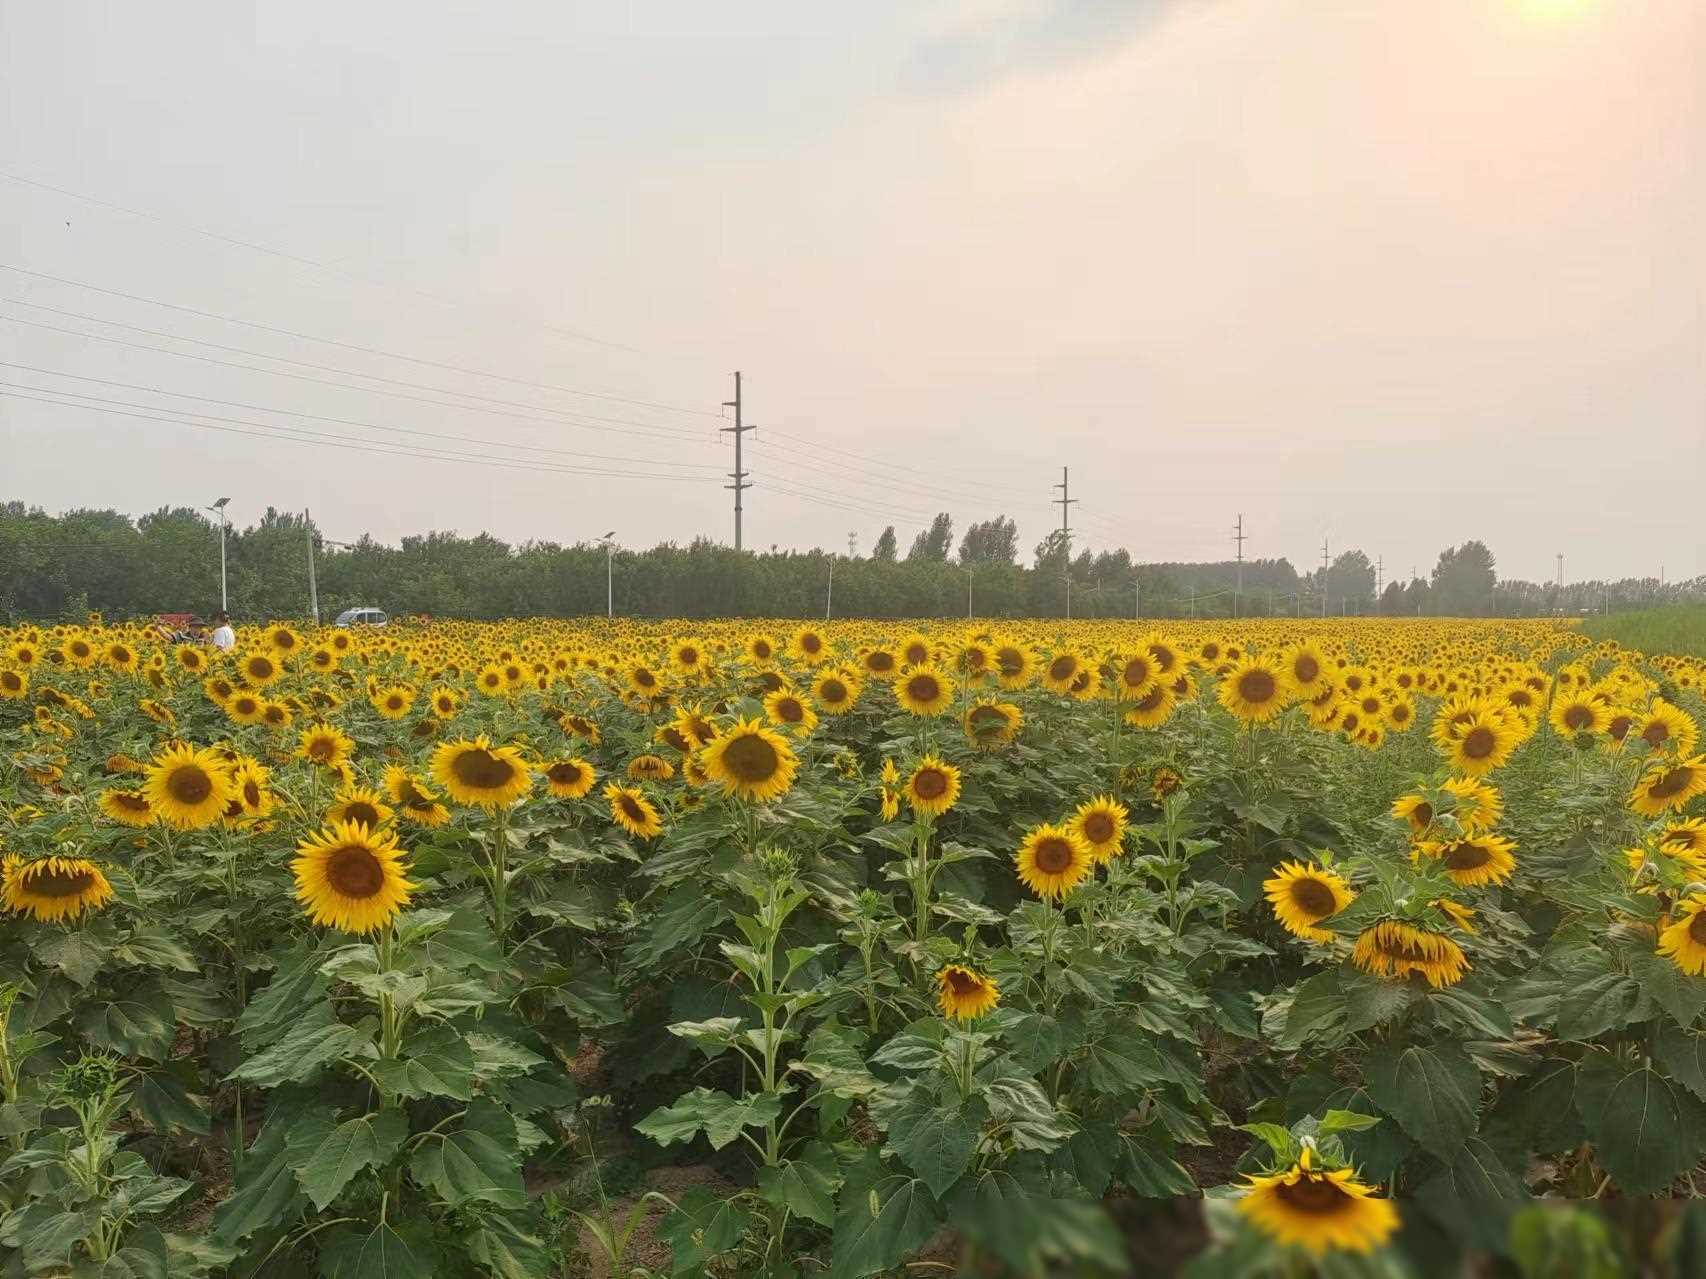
[
  {"x": 490, "y": 680},
  {"x": 445, "y": 702},
  {"x": 191, "y": 659},
  {"x": 324, "y": 745},
  {"x": 1101, "y": 823},
  {"x": 476, "y": 772},
  {"x": 1684, "y": 939},
  {"x": 359, "y": 806},
  {"x": 964, "y": 995},
  {"x": 393, "y": 702},
  {"x": 1053, "y": 860},
  {"x": 991, "y": 724},
  {"x": 1667, "y": 727},
  {"x": 53, "y": 888},
  {"x": 633, "y": 812},
  {"x": 1165, "y": 781},
  {"x": 1062, "y": 670},
  {"x": 188, "y": 788},
  {"x": 786, "y": 710},
  {"x": 1136, "y": 675},
  {"x": 1255, "y": 690},
  {"x": 890, "y": 804},
  {"x": 249, "y": 788},
  {"x": 1484, "y": 741},
  {"x": 760, "y": 649},
  {"x": 654, "y": 768},
  {"x": 880, "y": 663},
  {"x": 582, "y": 727},
  {"x": 1153, "y": 708},
  {"x": 1666, "y": 786},
  {"x": 1012, "y": 663},
  {"x": 416, "y": 801},
  {"x": 1579, "y": 713},
  {"x": 751, "y": 761},
  {"x": 1416, "y": 809},
  {"x": 127, "y": 807},
  {"x": 120, "y": 656},
  {"x": 924, "y": 691},
  {"x": 1392, "y": 948},
  {"x": 1318, "y": 1210},
  {"x": 260, "y": 669},
  {"x": 1685, "y": 837},
  {"x": 809, "y": 645},
  {"x": 324, "y": 659},
  {"x": 1477, "y": 805},
  {"x": 1474, "y": 860},
  {"x": 78, "y": 653},
  {"x": 14, "y": 684},
  {"x": 245, "y": 707},
  {"x": 1459, "y": 914},
  {"x": 933, "y": 788},
  {"x": 1307, "y": 669},
  {"x": 569, "y": 778},
  {"x": 689, "y": 657},
  {"x": 836, "y": 692},
  {"x": 352, "y": 877},
  {"x": 1302, "y": 896}
]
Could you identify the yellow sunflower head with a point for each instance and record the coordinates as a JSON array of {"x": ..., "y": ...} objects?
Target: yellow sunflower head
[
  {"x": 479, "y": 773},
  {"x": 188, "y": 788},
  {"x": 751, "y": 761},
  {"x": 51, "y": 889},
  {"x": 933, "y": 788},
  {"x": 1683, "y": 941},
  {"x": 127, "y": 807},
  {"x": 633, "y": 812},
  {"x": 352, "y": 877},
  {"x": 1302, "y": 896},
  {"x": 1101, "y": 824},
  {"x": 1317, "y": 1209},
  {"x": 1053, "y": 860},
  {"x": 1393, "y": 948},
  {"x": 359, "y": 806},
  {"x": 964, "y": 995},
  {"x": 924, "y": 690},
  {"x": 570, "y": 778}
]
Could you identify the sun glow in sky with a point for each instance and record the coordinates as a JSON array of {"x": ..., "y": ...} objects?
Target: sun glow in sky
[{"x": 1555, "y": 10}]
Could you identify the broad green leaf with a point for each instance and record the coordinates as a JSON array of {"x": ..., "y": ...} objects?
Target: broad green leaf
[
  {"x": 150, "y": 947},
  {"x": 265, "y": 1191},
  {"x": 296, "y": 986},
  {"x": 1347, "y": 1121},
  {"x": 327, "y": 1155},
  {"x": 1646, "y": 1129},
  {"x": 1090, "y": 1156},
  {"x": 880, "y": 1226},
  {"x": 463, "y": 942},
  {"x": 936, "y": 1142},
  {"x": 721, "y": 1116},
  {"x": 1316, "y": 1015},
  {"x": 139, "y": 1024},
  {"x": 166, "y": 1104},
  {"x": 435, "y": 1063},
  {"x": 1476, "y": 1014},
  {"x": 1683, "y": 1054},
  {"x": 702, "y": 1226},
  {"x": 712, "y": 1036},
  {"x": 1682, "y": 995},
  {"x": 473, "y": 1163},
  {"x": 315, "y": 1041},
  {"x": 49, "y": 1238},
  {"x": 78, "y": 953},
  {"x": 1370, "y": 1001},
  {"x": 507, "y": 1250},
  {"x": 1433, "y": 1092},
  {"x": 1150, "y": 1171},
  {"x": 1028, "y": 1228},
  {"x": 1608, "y": 1002},
  {"x": 496, "y": 1055},
  {"x": 385, "y": 1252},
  {"x": 805, "y": 1185},
  {"x": 1475, "y": 1195}
]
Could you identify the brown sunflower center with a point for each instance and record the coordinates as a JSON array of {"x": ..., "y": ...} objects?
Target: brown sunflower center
[
  {"x": 566, "y": 773},
  {"x": 479, "y": 769},
  {"x": 811, "y": 643},
  {"x": 1697, "y": 928},
  {"x": 688, "y": 656},
  {"x": 57, "y": 881},
  {"x": 1479, "y": 742},
  {"x": 1467, "y": 855},
  {"x": 1656, "y": 733},
  {"x": 761, "y": 650},
  {"x": 923, "y": 688},
  {"x": 1062, "y": 667},
  {"x": 1306, "y": 668},
  {"x": 259, "y": 668},
  {"x": 1318, "y": 1196},
  {"x": 1672, "y": 783},
  {"x": 354, "y": 871},
  {"x": 1257, "y": 686},
  {"x": 189, "y": 784},
  {"x": 359, "y": 810},
  {"x": 1054, "y": 855},
  {"x": 1135, "y": 673},
  {"x": 790, "y": 710},
  {"x": 1577, "y": 717},
  {"x": 631, "y": 809},
  {"x": 750, "y": 758},
  {"x": 930, "y": 783},
  {"x": 963, "y": 983},
  {"x": 1619, "y": 726},
  {"x": 119, "y": 653},
  {"x": 832, "y": 691},
  {"x": 1098, "y": 827},
  {"x": 644, "y": 678},
  {"x": 1313, "y": 898},
  {"x": 245, "y": 705},
  {"x": 252, "y": 794},
  {"x": 322, "y": 749},
  {"x": 130, "y": 801}
]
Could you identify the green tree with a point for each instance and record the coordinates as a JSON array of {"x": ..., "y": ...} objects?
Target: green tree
[
  {"x": 935, "y": 542},
  {"x": 887, "y": 546}
]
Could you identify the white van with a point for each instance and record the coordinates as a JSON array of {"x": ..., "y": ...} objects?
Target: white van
[{"x": 362, "y": 617}]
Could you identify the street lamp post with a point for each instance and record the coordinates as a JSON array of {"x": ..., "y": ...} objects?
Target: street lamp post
[
  {"x": 609, "y": 544},
  {"x": 219, "y": 508}
]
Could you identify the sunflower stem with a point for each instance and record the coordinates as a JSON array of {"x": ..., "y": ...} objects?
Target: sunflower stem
[{"x": 500, "y": 878}]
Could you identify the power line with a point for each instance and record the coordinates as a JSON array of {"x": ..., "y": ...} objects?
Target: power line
[
  {"x": 298, "y": 259},
  {"x": 297, "y": 434},
  {"x": 859, "y": 457},
  {"x": 562, "y": 417},
  {"x": 351, "y": 346},
  {"x": 1064, "y": 501},
  {"x": 345, "y": 421},
  {"x": 840, "y": 471}
]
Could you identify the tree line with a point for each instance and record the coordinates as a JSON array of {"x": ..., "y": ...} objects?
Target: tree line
[{"x": 55, "y": 567}]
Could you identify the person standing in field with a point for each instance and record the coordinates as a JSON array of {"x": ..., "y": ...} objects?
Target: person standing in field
[{"x": 224, "y": 638}]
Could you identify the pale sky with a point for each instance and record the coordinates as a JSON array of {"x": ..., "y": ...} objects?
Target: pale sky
[{"x": 1396, "y": 273}]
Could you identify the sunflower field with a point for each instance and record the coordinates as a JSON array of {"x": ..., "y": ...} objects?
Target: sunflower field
[{"x": 549, "y": 948}]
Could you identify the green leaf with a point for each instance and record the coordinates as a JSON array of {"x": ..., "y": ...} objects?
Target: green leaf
[
  {"x": 507, "y": 1250},
  {"x": 166, "y": 1104},
  {"x": 936, "y": 1142},
  {"x": 435, "y": 1063},
  {"x": 1150, "y": 1172},
  {"x": 496, "y": 1055},
  {"x": 1607, "y": 1002},
  {"x": 327, "y": 1155},
  {"x": 1316, "y": 1014},
  {"x": 805, "y": 1185},
  {"x": 296, "y": 986},
  {"x": 475, "y": 1163},
  {"x": 918, "y": 1047},
  {"x": 77, "y": 953},
  {"x": 1434, "y": 1093},
  {"x": 1346, "y": 1121},
  {"x": 1370, "y": 1002},
  {"x": 315, "y": 1041},
  {"x": 459, "y": 942},
  {"x": 49, "y": 1237},
  {"x": 1276, "y": 1137},
  {"x": 152, "y": 948},
  {"x": 713, "y": 1036},
  {"x": 1475, "y": 1196},
  {"x": 702, "y": 1226},
  {"x": 880, "y": 1226},
  {"x": 1682, "y": 995},
  {"x": 385, "y": 1252},
  {"x": 140, "y": 1024},
  {"x": 1125, "y": 1061},
  {"x": 721, "y": 1116},
  {"x": 1028, "y": 1228},
  {"x": 1036, "y": 1040},
  {"x": 1683, "y": 1054},
  {"x": 1646, "y": 1129},
  {"x": 265, "y": 1191},
  {"x": 1470, "y": 1012}
]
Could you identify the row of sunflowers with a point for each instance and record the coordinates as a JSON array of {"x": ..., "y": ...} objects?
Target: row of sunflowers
[{"x": 973, "y": 946}]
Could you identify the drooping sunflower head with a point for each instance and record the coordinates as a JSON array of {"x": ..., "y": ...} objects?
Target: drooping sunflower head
[
  {"x": 1317, "y": 1209},
  {"x": 1474, "y": 860},
  {"x": 1053, "y": 860},
  {"x": 188, "y": 788},
  {"x": 633, "y": 812},
  {"x": 751, "y": 761},
  {"x": 924, "y": 691},
  {"x": 964, "y": 995},
  {"x": 1669, "y": 785},
  {"x": 50, "y": 889},
  {"x": 1302, "y": 896},
  {"x": 1683, "y": 941},
  {"x": 992, "y": 724},
  {"x": 649, "y": 767},
  {"x": 352, "y": 877},
  {"x": 1165, "y": 781},
  {"x": 933, "y": 788},
  {"x": 479, "y": 773},
  {"x": 1416, "y": 810},
  {"x": 1393, "y": 948},
  {"x": 569, "y": 778},
  {"x": 127, "y": 807},
  {"x": 1101, "y": 824}
]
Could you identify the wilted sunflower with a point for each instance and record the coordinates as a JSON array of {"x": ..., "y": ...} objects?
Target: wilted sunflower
[
  {"x": 569, "y": 778},
  {"x": 476, "y": 772},
  {"x": 1668, "y": 786},
  {"x": 127, "y": 807},
  {"x": 1473, "y": 860},
  {"x": 751, "y": 761},
  {"x": 351, "y": 877},
  {"x": 650, "y": 768},
  {"x": 633, "y": 812},
  {"x": 1165, "y": 781},
  {"x": 1101, "y": 823},
  {"x": 260, "y": 669},
  {"x": 188, "y": 788},
  {"x": 359, "y": 806},
  {"x": 582, "y": 727},
  {"x": 924, "y": 691},
  {"x": 964, "y": 995},
  {"x": 1320, "y": 1211},
  {"x": 324, "y": 745},
  {"x": 415, "y": 800},
  {"x": 991, "y": 724},
  {"x": 1302, "y": 896},
  {"x": 50, "y": 889},
  {"x": 1053, "y": 860},
  {"x": 1392, "y": 948},
  {"x": 933, "y": 788},
  {"x": 836, "y": 692},
  {"x": 785, "y": 709},
  {"x": 1683, "y": 941},
  {"x": 1255, "y": 690},
  {"x": 1483, "y": 742}
]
